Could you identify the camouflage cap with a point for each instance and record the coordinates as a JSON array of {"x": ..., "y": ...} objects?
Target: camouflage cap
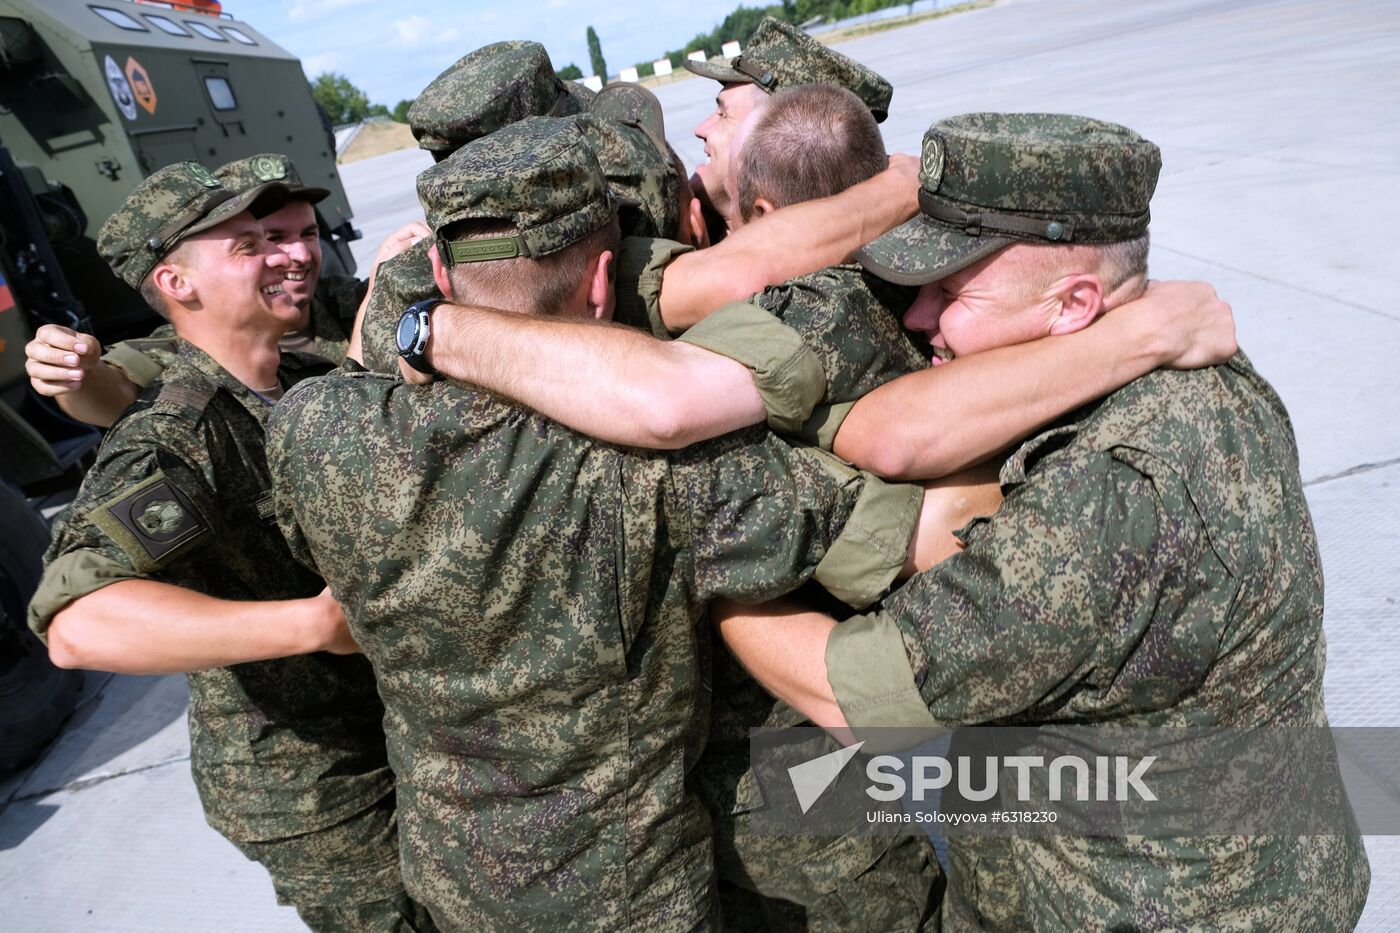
[
  {"x": 539, "y": 174},
  {"x": 242, "y": 174},
  {"x": 495, "y": 86},
  {"x": 780, "y": 55},
  {"x": 633, "y": 105},
  {"x": 171, "y": 205},
  {"x": 625, "y": 128},
  {"x": 992, "y": 179}
]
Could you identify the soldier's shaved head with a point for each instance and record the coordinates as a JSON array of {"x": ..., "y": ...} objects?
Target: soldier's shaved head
[{"x": 810, "y": 141}]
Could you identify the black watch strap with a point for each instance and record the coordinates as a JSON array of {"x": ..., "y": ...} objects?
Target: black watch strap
[{"x": 413, "y": 333}]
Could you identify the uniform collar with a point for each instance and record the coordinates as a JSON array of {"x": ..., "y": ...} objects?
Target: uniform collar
[{"x": 221, "y": 377}]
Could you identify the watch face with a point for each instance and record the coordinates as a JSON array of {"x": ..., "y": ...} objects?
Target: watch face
[{"x": 407, "y": 334}]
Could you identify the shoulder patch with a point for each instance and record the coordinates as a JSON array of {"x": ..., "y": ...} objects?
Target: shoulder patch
[
  {"x": 187, "y": 395},
  {"x": 152, "y": 522}
]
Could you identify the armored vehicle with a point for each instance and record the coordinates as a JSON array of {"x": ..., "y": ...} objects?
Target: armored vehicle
[{"x": 94, "y": 96}]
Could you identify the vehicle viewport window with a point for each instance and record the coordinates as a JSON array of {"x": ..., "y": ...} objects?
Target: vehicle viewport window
[
  {"x": 118, "y": 18},
  {"x": 220, "y": 93},
  {"x": 238, "y": 35},
  {"x": 167, "y": 25},
  {"x": 207, "y": 32}
]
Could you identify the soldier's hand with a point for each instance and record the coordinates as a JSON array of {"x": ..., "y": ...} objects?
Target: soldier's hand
[
  {"x": 335, "y": 631},
  {"x": 58, "y": 359},
  {"x": 400, "y": 240},
  {"x": 903, "y": 170},
  {"x": 1199, "y": 327},
  {"x": 906, "y": 166},
  {"x": 396, "y": 242}
]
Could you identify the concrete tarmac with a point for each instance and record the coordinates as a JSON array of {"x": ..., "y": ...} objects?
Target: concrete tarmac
[{"x": 1279, "y": 124}]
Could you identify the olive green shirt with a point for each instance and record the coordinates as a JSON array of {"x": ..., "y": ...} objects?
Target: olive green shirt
[
  {"x": 180, "y": 494},
  {"x": 533, "y": 603},
  {"x": 1153, "y": 564}
]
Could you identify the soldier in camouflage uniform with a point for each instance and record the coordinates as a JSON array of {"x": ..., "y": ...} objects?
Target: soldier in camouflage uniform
[
  {"x": 169, "y": 561},
  {"x": 533, "y": 601},
  {"x": 779, "y": 55},
  {"x": 1153, "y": 565},
  {"x": 329, "y": 303},
  {"x": 808, "y": 350}
]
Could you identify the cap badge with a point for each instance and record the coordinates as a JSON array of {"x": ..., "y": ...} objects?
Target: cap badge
[
  {"x": 201, "y": 175},
  {"x": 931, "y": 164},
  {"x": 269, "y": 169}
]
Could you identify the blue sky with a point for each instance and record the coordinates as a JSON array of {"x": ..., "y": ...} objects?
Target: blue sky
[{"x": 391, "y": 50}]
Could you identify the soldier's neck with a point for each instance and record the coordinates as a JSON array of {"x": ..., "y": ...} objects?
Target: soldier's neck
[{"x": 250, "y": 357}]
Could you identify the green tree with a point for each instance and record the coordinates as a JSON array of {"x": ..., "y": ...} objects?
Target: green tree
[
  {"x": 570, "y": 72},
  {"x": 342, "y": 101},
  {"x": 400, "y": 113},
  {"x": 595, "y": 55}
]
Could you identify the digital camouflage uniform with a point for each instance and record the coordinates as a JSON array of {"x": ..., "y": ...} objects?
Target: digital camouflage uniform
[
  {"x": 533, "y": 600},
  {"x": 288, "y": 755},
  {"x": 781, "y": 55},
  {"x": 1154, "y": 564},
  {"x": 815, "y": 345},
  {"x": 333, "y": 306}
]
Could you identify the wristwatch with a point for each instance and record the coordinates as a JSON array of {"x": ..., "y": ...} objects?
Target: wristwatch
[{"x": 412, "y": 335}]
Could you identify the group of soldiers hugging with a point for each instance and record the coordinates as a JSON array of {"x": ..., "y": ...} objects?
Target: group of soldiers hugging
[{"x": 483, "y": 569}]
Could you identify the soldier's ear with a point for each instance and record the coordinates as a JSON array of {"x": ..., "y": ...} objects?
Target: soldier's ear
[
  {"x": 174, "y": 284},
  {"x": 1080, "y": 298},
  {"x": 699, "y": 232},
  {"x": 762, "y": 207},
  {"x": 440, "y": 276},
  {"x": 600, "y": 287}
]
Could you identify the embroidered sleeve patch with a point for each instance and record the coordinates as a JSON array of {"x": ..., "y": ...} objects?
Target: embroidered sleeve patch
[{"x": 152, "y": 522}]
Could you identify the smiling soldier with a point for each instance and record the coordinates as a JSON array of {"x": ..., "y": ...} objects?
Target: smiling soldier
[{"x": 169, "y": 561}]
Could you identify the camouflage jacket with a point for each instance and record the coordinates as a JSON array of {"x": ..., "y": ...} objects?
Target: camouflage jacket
[
  {"x": 1154, "y": 564},
  {"x": 327, "y": 334},
  {"x": 533, "y": 603},
  {"x": 408, "y": 279},
  {"x": 180, "y": 494},
  {"x": 815, "y": 345}
]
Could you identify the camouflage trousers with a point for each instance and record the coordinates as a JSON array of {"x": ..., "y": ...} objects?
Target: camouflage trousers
[
  {"x": 819, "y": 883},
  {"x": 344, "y": 878},
  {"x": 825, "y": 885}
]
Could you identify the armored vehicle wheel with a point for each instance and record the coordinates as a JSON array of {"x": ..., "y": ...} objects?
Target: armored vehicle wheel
[{"x": 35, "y": 696}]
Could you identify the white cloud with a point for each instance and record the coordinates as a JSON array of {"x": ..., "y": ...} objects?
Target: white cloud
[
  {"x": 322, "y": 61},
  {"x": 303, "y": 10},
  {"x": 415, "y": 32}
]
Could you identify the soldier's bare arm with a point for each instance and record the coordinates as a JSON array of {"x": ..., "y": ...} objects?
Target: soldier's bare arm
[
  {"x": 794, "y": 241},
  {"x": 612, "y": 382},
  {"x": 67, "y": 367},
  {"x": 147, "y": 627},
  {"x": 783, "y": 644},
  {"x": 1003, "y": 395}
]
